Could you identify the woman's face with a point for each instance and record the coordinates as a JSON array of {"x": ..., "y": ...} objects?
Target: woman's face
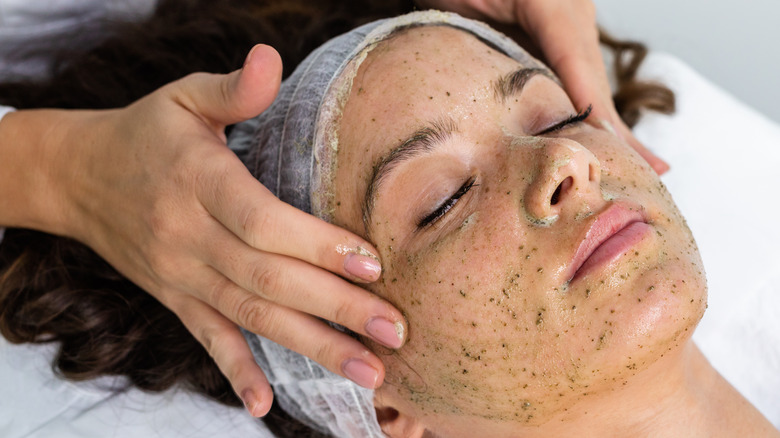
[{"x": 538, "y": 262}]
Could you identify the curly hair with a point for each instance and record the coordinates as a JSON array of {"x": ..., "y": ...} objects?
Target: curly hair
[{"x": 54, "y": 289}]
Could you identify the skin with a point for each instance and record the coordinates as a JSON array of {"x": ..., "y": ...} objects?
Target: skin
[{"x": 499, "y": 340}]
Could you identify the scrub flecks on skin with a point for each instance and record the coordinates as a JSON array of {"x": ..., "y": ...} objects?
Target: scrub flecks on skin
[{"x": 499, "y": 333}]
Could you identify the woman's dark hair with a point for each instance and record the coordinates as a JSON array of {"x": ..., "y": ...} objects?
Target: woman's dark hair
[
  {"x": 53, "y": 289},
  {"x": 632, "y": 95}
]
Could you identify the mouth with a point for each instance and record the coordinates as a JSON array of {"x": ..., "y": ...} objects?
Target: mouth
[{"x": 616, "y": 230}]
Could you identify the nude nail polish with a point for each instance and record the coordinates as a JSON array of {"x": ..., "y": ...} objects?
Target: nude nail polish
[
  {"x": 360, "y": 372},
  {"x": 248, "y": 58},
  {"x": 363, "y": 267},
  {"x": 250, "y": 401},
  {"x": 385, "y": 332}
]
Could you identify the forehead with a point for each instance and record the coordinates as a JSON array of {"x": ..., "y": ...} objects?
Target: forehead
[{"x": 430, "y": 58}]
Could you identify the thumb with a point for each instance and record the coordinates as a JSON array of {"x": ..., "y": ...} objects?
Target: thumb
[{"x": 226, "y": 99}]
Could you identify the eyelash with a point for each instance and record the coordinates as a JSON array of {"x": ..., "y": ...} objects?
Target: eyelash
[
  {"x": 579, "y": 117},
  {"x": 447, "y": 205}
]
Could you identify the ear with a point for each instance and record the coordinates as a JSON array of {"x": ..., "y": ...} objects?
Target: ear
[{"x": 395, "y": 423}]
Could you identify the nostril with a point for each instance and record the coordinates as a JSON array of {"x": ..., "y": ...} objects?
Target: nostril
[{"x": 556, "y": 196}]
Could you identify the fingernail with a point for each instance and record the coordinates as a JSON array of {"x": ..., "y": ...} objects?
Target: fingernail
[
  {"x": 362, "y": 266},
  {"x": 611, "y": 129},
  {"x": 250, "y": 402},
  {"x": 249, "y": 56},
  {"x": 360, "y": 372},
  {"x": 385, "y": 332},
  {"x": 608, "y": 127}
]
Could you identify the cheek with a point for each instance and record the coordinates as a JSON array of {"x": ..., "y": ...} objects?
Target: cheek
[
  {"x": 624, "y": 173},
  {"x": 471, "y": 325}
]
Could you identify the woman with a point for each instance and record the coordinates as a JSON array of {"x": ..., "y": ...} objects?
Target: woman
[{"x": 550, "y": 284}]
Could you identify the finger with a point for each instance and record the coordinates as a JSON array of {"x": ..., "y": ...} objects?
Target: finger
[
  {"x": 230, "y": 351},
  {"x": 302, "y": 333},
  {"x": 576, "y": 58},
  {"x": 298, "y": 285},
  {"x": 623, "y": 132},
  {"x": 498, "y": 11},
  {"x": 575, "y": 55},
  {"x": 249, "y": 210},
  {"x": 657, "y": 163},
  {"x": 240, "y": 95}
]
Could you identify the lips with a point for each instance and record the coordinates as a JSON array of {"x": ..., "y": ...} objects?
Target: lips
[{"x": 615, "y": 231}]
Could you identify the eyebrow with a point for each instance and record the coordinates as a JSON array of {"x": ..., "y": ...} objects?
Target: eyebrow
[
  {"x": 512, "y": 83},
  {"x": 436, "y": 133},
  {"x": 420, "y": 142}
]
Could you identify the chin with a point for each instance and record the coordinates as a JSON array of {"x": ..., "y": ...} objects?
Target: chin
[
  {"x": 667, "y": 305},
  {"x": 651, "y": 317}
]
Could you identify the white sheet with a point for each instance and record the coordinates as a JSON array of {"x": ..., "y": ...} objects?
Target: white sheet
[
  {"x": 725, "y": 178},
  {"x": 35, "y": 403},
  {"x": 724, "y": 159}
]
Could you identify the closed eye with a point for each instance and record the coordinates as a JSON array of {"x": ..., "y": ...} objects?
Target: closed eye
[
  {"x": 574, "y": 119},
  {"x": 447, "y": 205}
]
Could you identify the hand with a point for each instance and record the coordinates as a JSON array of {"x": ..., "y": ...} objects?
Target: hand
[
  {"x": 153, "y": 189},
  {"x": 566, "y": 32}
]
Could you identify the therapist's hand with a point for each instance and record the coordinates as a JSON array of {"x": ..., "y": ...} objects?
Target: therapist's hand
[
  {"x": 154, "y": 190},
  {"x": 566, "y": 32}
]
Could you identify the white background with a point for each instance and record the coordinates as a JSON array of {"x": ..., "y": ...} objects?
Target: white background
[{"x": 733, "y": 43}]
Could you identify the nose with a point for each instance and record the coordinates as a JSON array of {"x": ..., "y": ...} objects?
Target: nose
[{"x": 568, "y": 173}]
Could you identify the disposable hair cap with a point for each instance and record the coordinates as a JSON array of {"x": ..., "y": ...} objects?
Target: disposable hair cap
[{"x": 291, "y": 149}]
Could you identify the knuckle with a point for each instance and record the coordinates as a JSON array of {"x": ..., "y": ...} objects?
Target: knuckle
[
  {"x": 267, "y": 279},
  {"x": 219, "y": 290},
  {"x": 256, "y": 222},
  {"x": 190, "y": 81},
  {"x": 159, "y": 225},
  {"x": 324, "y": 353},
  {"x": 211, "y": 173},
  {"x": 162, "y": 265},
  {"x": 208, "y": 337},
  {"x": 164, "y": 221},
  {"x": 179, "y": 89},
  {"x": 255, "y": 315},
  {"x": 342, "y": 313}
]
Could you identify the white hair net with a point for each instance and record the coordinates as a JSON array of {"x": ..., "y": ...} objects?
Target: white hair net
[{"x": 291, "y": 149}]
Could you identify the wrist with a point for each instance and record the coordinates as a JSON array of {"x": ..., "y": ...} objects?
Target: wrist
[{"x": 34, "y": 170}]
